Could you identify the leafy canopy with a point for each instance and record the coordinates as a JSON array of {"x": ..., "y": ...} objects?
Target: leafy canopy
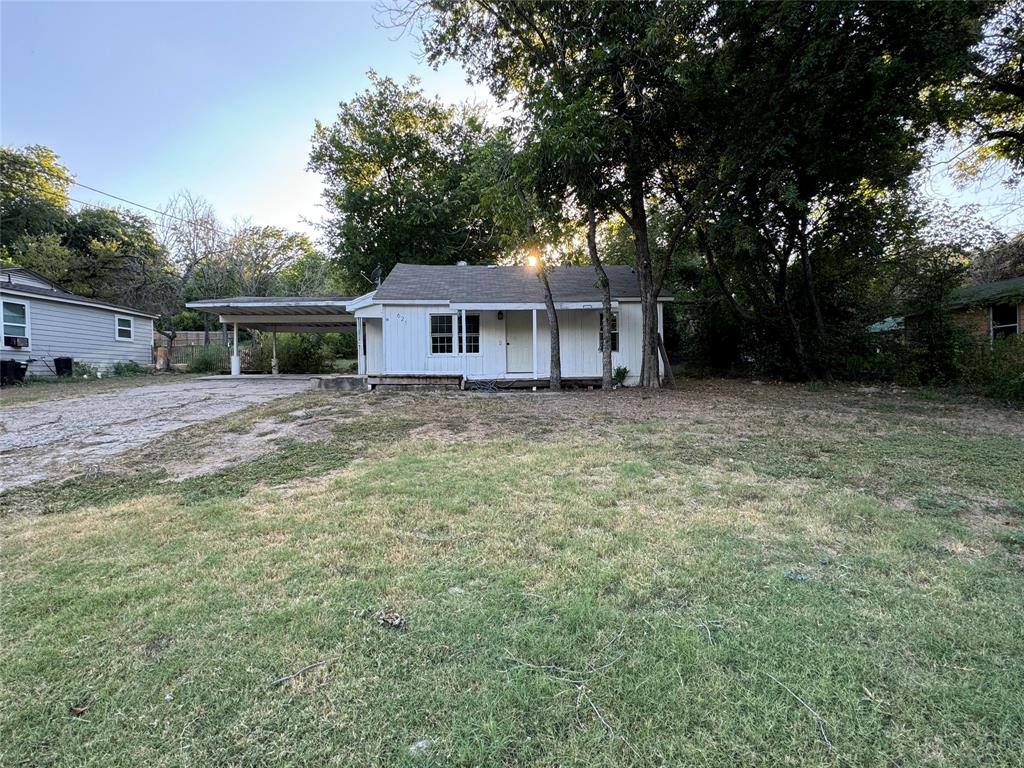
[{"x": 398, "y": 168}]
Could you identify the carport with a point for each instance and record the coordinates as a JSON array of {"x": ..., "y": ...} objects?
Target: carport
[{"x": 288, "y": 314}]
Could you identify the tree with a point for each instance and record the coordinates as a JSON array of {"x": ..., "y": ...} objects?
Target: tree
[
  {"x": 396, "y": 167},
  {"x": 606, "y": 300},
  {"x": 602, "y": 95},
  {"x": 33, "y": 194},
  {"x": 116, "y": 258},
  {"x": 990, "y": 99},
  {"x": 311, "y": 274},
  {"x": 258, "y": 255},
  {"x": 816, "y": 116}
]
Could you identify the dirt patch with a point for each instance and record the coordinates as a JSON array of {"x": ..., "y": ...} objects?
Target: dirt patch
[
  {"x": 228, "y": 449},
  {"x": 54, "y": 440}
]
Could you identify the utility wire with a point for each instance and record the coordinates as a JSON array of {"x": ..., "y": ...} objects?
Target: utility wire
[
  {"x": 26, "y": 186},
  {"x": 47, "y": 172}
]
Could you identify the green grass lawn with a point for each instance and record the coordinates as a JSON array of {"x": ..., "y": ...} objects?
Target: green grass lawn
[{"x": 722, "y": 575}]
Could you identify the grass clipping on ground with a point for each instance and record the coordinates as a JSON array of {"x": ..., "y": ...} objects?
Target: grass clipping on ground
[{"x": 722, "y": 575}]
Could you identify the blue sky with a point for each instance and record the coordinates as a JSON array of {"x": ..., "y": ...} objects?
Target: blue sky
[{"x": 144, "y": 99}]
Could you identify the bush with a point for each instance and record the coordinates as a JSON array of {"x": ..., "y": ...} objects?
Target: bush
[
  {"x": 209, "y": 360},
  {"x": 995, "y": 369},
  {"x": 127, "y": 368},
  {"x": 620, "y": 374},
  {"x": 80, "y": 370},
  {"x": 296, "y": 353},
  {"x": 340, "y": 345}
]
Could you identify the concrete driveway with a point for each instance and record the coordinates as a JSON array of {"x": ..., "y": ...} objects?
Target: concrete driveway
[{"x": 58, "y": 438}]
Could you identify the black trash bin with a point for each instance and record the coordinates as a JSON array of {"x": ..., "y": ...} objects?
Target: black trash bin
[
  {"x": 12, "y": 371},
  {"x": 63, "y": 365}
]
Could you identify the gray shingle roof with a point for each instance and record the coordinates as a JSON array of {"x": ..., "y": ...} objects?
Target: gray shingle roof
[
  {"x": 513, "y": 285},
  {"x": 1001, "y": 291},
  {"x": 61, "y": 295}
]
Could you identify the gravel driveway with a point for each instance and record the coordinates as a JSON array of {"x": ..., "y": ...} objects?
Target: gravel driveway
[{"x": 57, "y": 438}]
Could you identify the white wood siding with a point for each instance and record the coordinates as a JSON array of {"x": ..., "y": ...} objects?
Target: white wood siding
[
  {"x": 85, "y": 333},
  {"x": 406, "y": 343}
]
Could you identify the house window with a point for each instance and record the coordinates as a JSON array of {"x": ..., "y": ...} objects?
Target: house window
[
  {"x": 472, "y": 334},
  {"x": 615, "y": 333},
  {"x": 1004, "y": 321},
  {"x": 441, "y": 337},
  {"x": 15, "y": 325},
  {"x": 124, "y": 328}
]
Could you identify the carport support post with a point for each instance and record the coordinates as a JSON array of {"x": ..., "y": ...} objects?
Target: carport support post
[
  {"x": 236, "y": 361},
  {"x": 273, "y": 352}
]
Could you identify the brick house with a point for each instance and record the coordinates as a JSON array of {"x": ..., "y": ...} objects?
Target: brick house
[{"x": 990, "y": 310}]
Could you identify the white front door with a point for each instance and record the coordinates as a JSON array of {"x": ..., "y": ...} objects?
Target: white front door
[{"x": 519, "y": 341}]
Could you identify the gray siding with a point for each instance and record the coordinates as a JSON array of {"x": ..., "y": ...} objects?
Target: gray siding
[
  {"x": 57, "y": 329},
  {"x": 27, "y": 278}
]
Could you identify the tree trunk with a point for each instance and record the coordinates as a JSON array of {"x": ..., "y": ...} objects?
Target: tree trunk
[
  {"x": 645, "y": 277},
  {"x": 170, "y": 336},
  {"x": 206, "y": 329},
  {"x": 606, "y": 301},
  {"x": 812, "y": 295},
  {"x": 555, "y": 381}
]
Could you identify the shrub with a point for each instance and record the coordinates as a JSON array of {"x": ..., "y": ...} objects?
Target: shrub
[
  {"x": 296, "y": 353},
  {"x": 127, "y": 368},
  {"x": 620, "y": 374},
  {"x": 80, "y": 370},
  {"x": 995, "y": 369},
  {"x": 209, "y": 359},
  {"x": 340, "y": 345}
]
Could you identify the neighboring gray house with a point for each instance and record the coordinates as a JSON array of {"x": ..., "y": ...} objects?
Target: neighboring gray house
[{"x": 42, "y": 321}]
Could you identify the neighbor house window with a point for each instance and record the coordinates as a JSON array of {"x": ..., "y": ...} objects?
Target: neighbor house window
[
  {"x": 615, "y": 333},
  {"x": 124, "y": 328},
  {"x": 472, "y": 345},
  {"x": 442, "y": 340},
  {"x": 1004, "y": 321},
  {"x": 15, "y": 325}
]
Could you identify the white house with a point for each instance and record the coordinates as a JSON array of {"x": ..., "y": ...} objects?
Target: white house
[
  {"x": 490, "y": 323},
  {"x": 42, "y": 321},
  {"x": 458, "y": 324}
]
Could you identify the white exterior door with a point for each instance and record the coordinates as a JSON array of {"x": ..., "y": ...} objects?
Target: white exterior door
[{"x": 519, "y": 341}]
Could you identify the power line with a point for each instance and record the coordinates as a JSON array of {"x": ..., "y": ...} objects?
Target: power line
[
  {"x": 27, "y": 186},
  {"x": 212, "y": 228}
]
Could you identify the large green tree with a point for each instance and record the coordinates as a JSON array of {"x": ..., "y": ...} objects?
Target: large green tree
[
  {"x": 990, "y": 99},
  {"x": 33, "y": 194},
  {"x": 397, "y": 167},
  {"x": 601, "y": 90},
  {"x": 816, "y": 114}
]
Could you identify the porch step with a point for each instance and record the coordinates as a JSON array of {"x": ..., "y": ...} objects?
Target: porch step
[
  {"x": 341, "y": 382},
  {"x": 414, "y": 382}
]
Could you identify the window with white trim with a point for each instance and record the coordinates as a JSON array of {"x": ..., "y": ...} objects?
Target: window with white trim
[
  {"x": 124, "y": 328},
  {"x": 15, "y": 325},
  {"x": 442, "y": 337},
  {"x": 472, "y": 346},
  {"x": 1004, "y": 321},
  {"x": 615, "y": 332}
]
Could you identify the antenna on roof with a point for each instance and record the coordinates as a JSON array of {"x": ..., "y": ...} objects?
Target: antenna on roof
[{"x": 375, "y": 276}]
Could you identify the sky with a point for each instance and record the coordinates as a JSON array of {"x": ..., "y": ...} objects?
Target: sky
[{"x": 145, "y": 99}]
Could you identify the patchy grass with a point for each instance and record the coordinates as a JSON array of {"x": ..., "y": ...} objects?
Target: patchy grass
[
  {"x": 39, "y": 388},
  {"x": 722, "y": 575}
]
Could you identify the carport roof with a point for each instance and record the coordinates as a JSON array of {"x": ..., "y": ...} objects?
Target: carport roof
[{"x": 294, "y": 314}]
